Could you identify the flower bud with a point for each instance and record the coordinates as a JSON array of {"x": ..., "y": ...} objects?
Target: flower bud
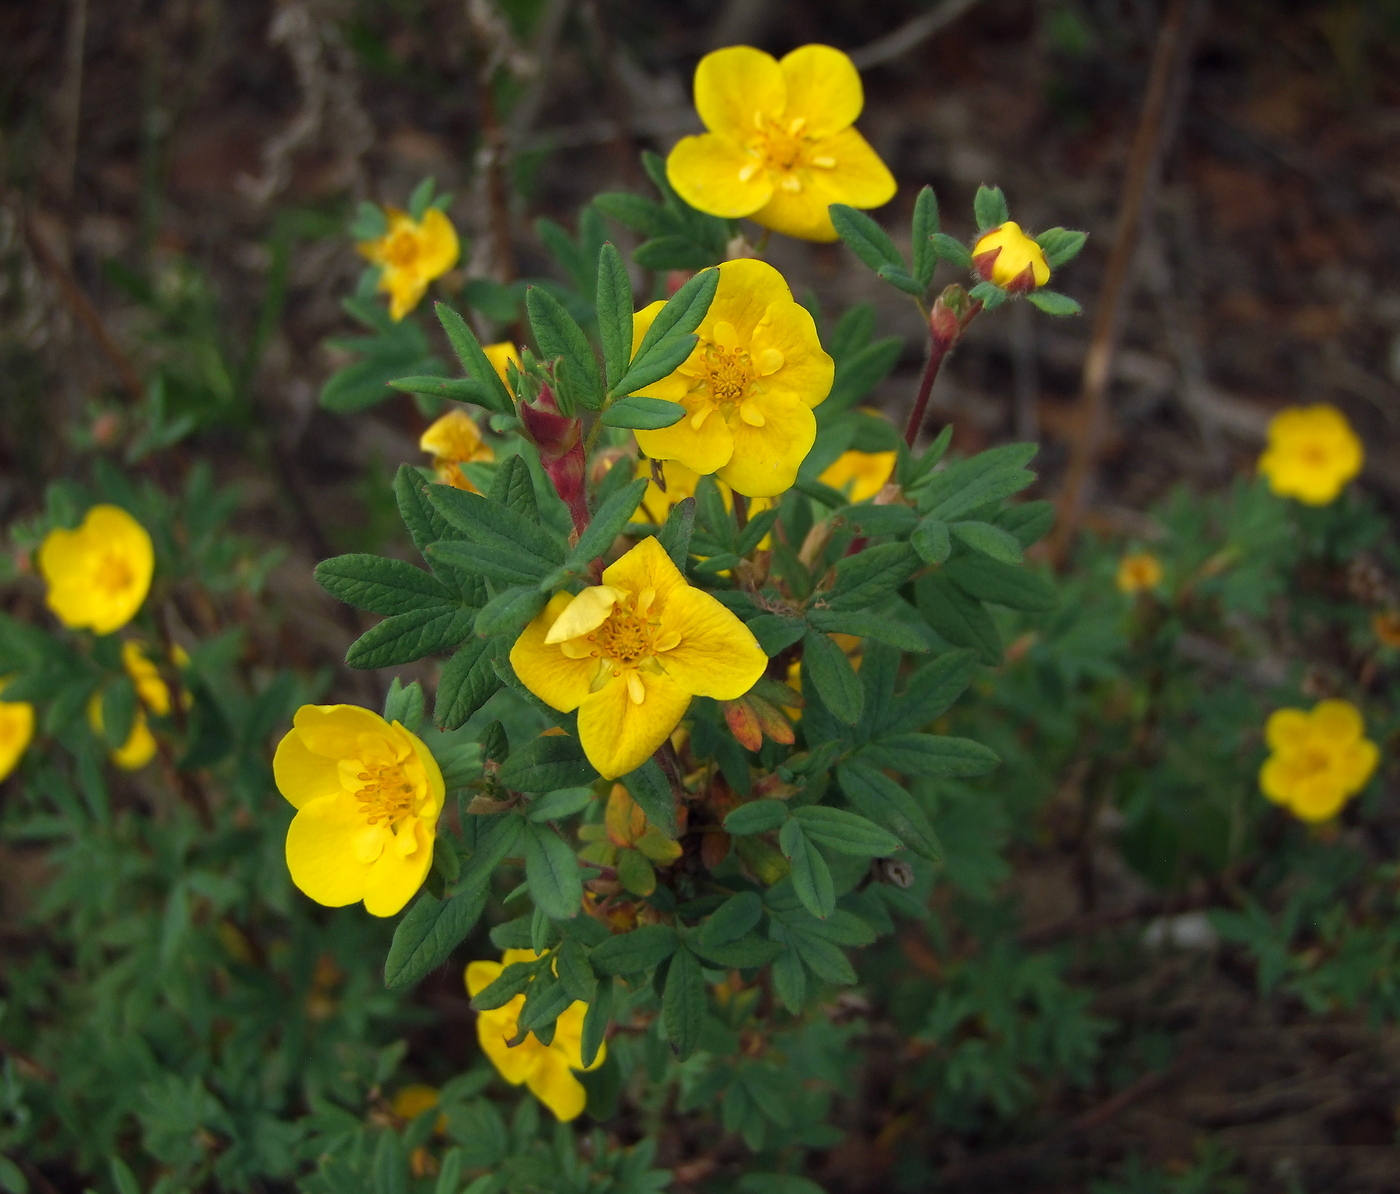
[
  {"x": 559, "y": 439},
  {"x": 1009, "y": 258}
]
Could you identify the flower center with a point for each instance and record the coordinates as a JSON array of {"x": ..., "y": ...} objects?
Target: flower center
[
  {"x": 1314, "y": 454},
  {"x": 113, "y": 574},
  {"x": 783, "y": 147},
  {"x": 727, "y": 375},
  {"x": 624, "y": 638},
  {"x": 385, "y": 793},
  {"x": 402, "y": 249},
  {"x": 1312, "y": 761}
]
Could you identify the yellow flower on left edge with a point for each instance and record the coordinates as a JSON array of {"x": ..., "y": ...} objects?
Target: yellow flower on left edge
[
  {"x": 454, "y": 440},
  {"x": 630, "y": 653},
  {"x": 547, "y": 1070},
  {"x": 749, "y": 386},
  {"x": 411, "y": 254},
  {"x": 780, "y": 147},
  {"x": 16, "y": 729},
  {"x": 1318, "y": 759},
  {"x": 368, "y": 794},
  {"x": 99, "y": 574}
]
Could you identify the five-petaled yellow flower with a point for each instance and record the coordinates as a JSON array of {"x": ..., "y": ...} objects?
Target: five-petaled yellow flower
[
  {"x": 548, "y": 1070},
  {"x": 748, "y": 388},
  {"x": 99, "y": 574},
  {"x": 16, "y": 729},
  {"x": 1312, "y": 453},
  {"x": 1319, "y": 759},
  {"x": 865, "y": 472},
  {"x": 1007, "y": 256},
  {"x": 454, "y": 440},
  {"x": 367, "y": 794},
  {"x": 411, "y": 254},
  {"x": 1137, "y": 572},
  {"x": 630, "y": 653},
  {"x": 780, "y": 147}
]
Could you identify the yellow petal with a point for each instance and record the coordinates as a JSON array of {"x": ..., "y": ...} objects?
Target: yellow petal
[
  {"x": 398, "y": 873},
  {"x": 718, "y": 655},
  {"x": 139, "y": 747},
  {"x": 455, "y": 436},
  {"x": 703, "y": 449},
  {"x": 618, "y": 735},
  {"x": 823, "y": 88},
  {"x": 554, "y": 1084},
  {"x": 1337, "y": 722},
  {"x": 99, "y": 574},
  {"x": 16, "y": 731},
  {"x": 440, "y": 245},
  {"x": 1357, "y": 763},
  {"x": 807, "y": 370},
  {"x": 494, "y": 1029},
  {"x": 736, "y": 86},
  {"x": 302, "y": 775},
  {"x": 747, "y": 290},
  {"x": 500, "y": 355},
  {"x": 544, "y": 669},
  {"x": 480, "y": 975},
  {"x": 865, "y": 473},
  {"x": 568, "y": 1038},
  {"x": 1285, "y": 728},
  {"x": 647, "y": 566},
  {"x": 587, "y": 611},
  {"x": 153, "y": 691},
  {"x": 1317, "y": 798},
  {"x": 1276, "y": 780},
  {"x": 766, "y": 459},
  {"x": 422, "y": 770},
  {"x": 717, "y": 175},
  {"x": 326, "y": 850},
  {"x": 342, "y": 731},
  {"x": 405, "y": 289}
]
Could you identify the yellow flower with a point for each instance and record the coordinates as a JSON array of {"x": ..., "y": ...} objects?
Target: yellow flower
[
  {"x": 411, "y": 254},
  {"x": 453, "y": 440},
  {"x": 99, "y": 574},
  {"x": 152, "y": 693},
  {"x": 140, "y": 745},
  {"x": 16, "y": 730},
  {"x": 1137, "y": 571},
  {"x": 865, "y": 472},
  {"x": 780, "y": 147},
  {"x": 681, "y": 482},
  {"x": 748, "y": 388},
  {"x": 546, "y": 1069},
  {"x": 499, "y": 355},
  {"x": 1007, "y": 256},
  {"x": 630, "y": 653},
  {"x": 367, "y": 794},
  {"x": 1318, "y": 759},
  {"x": 1312, "y": 453}
]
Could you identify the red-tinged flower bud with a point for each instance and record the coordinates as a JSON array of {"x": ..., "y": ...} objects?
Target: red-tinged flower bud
[
  {"x": 943, "y": 325},
  {"x": 1011, "y": 259},
  {"x": 560, "y": 441}
]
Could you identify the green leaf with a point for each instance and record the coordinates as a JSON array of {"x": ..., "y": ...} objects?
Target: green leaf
[
  {"x": 821, "y": 956},
  {"x": 404, "y": 704},
  {"x": 865, "y": 238},
  {"x": 886, "y": 803},
  {"x": 1060, "y": 245},
  {"x": 960, "y": 619},
  {"x": 563, "y": 802},
  {"x": 931, "y": 755},
  {"x": 453, "y": 389},
  {"x": 421, "y": 198},
  {"x": 545, "y": 763},
  {"x": 758, "y": 816},
  {"x": 509, "y": 610},
  {"x": 678, "y": 318},
  {"x": 575, "y": 974},
  {"x": 469, "y": 353},
  {"x": 868, "y": 577},
  {"x": 860, "y": 372},
  {"x": 733, "y": 919},
  {"x": 845, "y": 832},
  {"x": 1028, "y": 521},
  {"x": 429, "y": 932},
  {"x": 650, "y": 788},
  {"x": 826, "y": 668},
  {"x": 12, "y": 1179},
  {"x": 405, "y": 638},
  {"x": 514, "y": 487},
  {"x": 467, "y": 682},
  {"x": 989, "y": 540},
  {"x": 595, "y": 1020},
  {"x": 952, "y": 250},
  {"x": 504, "y": 565},
  {"x": 881, "y": 522},
  {"x": 991, "y": 487},
  {"x": 931, "y": 540},
  {"x": 811, "y": 877},
  {"x": 744, "y": 953},
  {"x": 607, "y": 524},
  {"x": 672, "y": 252},
  {"x": 643, "y": 414},
  {"x": 545, "y": 1000},
  {"x": 122, "y": 1177},
  {"x": 882, "y": 628},
  {"x": 370, "y": 222},
  {"x": 1002, "y": 584},
  {"x": 552, "y": 871},
  {"x": 118, "y": 711},
  {"x": 425, "y": 524},
  {"x": 684, "y": 1003},
  {"x": 925, "y": 226},
  {"x": 634, "y": 952},
  {"x": 776, "y": 632},
  {"x": 380, "y": 585},
  {"x": 989, "y": 206},
  {"x": 505, "y": 986},
  {"x": 675, "y": 535},
  {"x": 497, "y": 843},
  {"x": 498, "y": 525},
  {"x": 932, "y": 691},
  {"x": 1052, "y": 302},
  {"x": 634, "y": 212},
  {"x": 559, "y": 335},
  {"x": 614, "y": 306},
  {"x": 897, "y": 277},
  {"x": 989, "y": 294},
  {"x": 789, "y": 977}
]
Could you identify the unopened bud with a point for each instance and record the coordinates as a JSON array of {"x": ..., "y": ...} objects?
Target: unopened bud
[
  {"x": 554, "y": 434},
  {"x": 1009, "y": 258},
  {"x": 943, "y": 325}
]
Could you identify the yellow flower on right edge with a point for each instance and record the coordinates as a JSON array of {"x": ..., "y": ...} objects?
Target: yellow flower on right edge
[
  {"x": 1312, "y": 453},
  {"x": 780, "y": 147},
  {"x": 1137, "y": 572},
  {"x": 547, "y": 1070},
  {"x": 1319, "y": 759}
]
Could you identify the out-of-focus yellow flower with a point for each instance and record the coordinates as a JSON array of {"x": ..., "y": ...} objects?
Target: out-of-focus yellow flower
[
  {"x": 547, "y": 1070},
  {"x": 416, "y": 1098},
  {"x": 1312, "y": 453},
  {"x": 152, "y": 694},
  {"x": 1007, "y": 256},
  {"x": 16, "y": 730},
  {"x": 411, "y": 254},
  {"x": 1138, "y": 571},
  {"x": 99, "y": 574},
  {"x": 628, "y": 841},
  {"x": 630, "y": 653},
  {"x": 748, "y": 388},
  {"x": 454, "y": 440},
  {"x": 656, "y": 504},
  {"x": 140, "y": 745},
  {"x": 780, "y": 147},
  {"x": 500, "y": 355},
  {"x": 1319, "y": 759},
  {"x": 865, "y": 472},
  {"x": 368, "y": 794}
]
